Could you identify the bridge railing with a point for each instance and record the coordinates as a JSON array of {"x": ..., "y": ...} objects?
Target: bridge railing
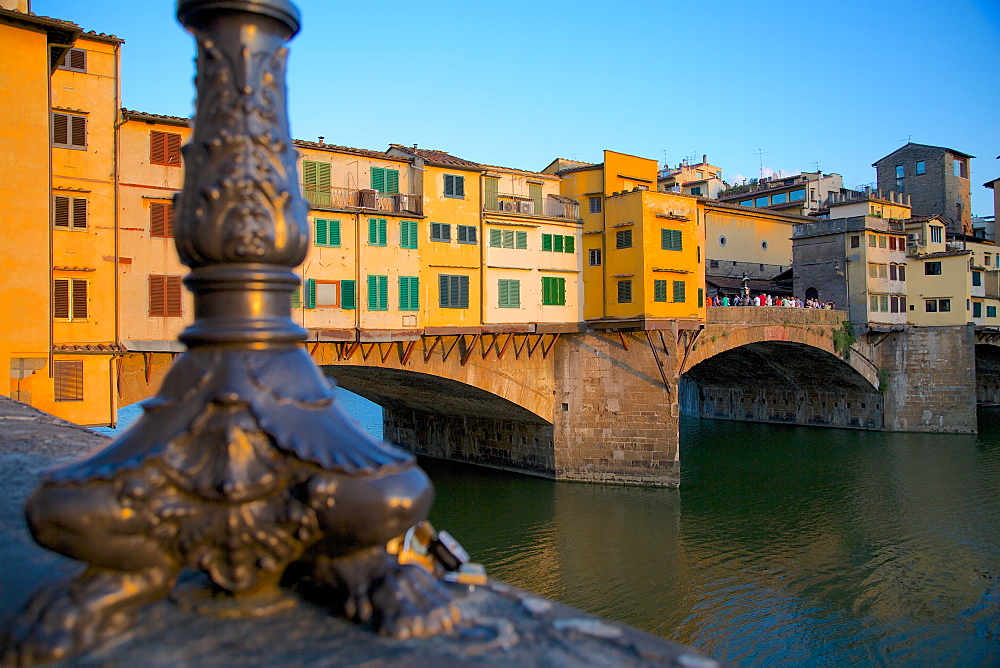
[{"x": 773, "y": 315}]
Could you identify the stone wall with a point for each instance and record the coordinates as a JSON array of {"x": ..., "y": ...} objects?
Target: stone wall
[
  {"x": 930, "y": 379},
  {"x": 987, "y": 374}
]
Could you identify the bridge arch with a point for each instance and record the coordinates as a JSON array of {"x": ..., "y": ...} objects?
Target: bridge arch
[{"x": 987, "y": 373}]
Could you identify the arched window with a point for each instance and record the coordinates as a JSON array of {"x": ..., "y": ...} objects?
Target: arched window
[{"x": 811, "y": 293}]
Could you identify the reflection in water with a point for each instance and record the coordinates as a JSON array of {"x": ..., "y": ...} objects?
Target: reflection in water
[{"x": 784, "y": 545}]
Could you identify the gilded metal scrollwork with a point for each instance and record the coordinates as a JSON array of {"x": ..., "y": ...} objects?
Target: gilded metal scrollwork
[{"x": 243, "y": 468}]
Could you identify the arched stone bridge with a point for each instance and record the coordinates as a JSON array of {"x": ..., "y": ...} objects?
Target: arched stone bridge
[{"x": 601, "y": 402}]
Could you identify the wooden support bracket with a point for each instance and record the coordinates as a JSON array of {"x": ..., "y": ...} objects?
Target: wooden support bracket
[
  {"x": 545, "y": 351},
  {"x": 501, "y": 351},
  {"x": 690, "y": 338},
  {"x": 470, "y": 347},
  {"x": 430, "y": 351},
  {"x": 409, "y": 351},
  {"x": 458, "y": 337}
]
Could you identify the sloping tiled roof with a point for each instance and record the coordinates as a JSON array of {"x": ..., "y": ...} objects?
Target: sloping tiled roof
[
  {"x": 582, "y": 168},
  {"x": 380, "y": 155},
  {"x": 38, "y": 19},
  {"x": 440, "y": 158},
  {"x": 155, "y": 118},
  {"x": 948, "y": 253},
  {"x": 942, "y": 148}
]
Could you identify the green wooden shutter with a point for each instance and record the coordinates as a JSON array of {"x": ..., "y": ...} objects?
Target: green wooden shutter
[
  {"x": 508, "y": 238},
  {"x": 378, "y": 179},
  {"x": 546, "y": 242},
  {"x": 659, "y": 290},
  {"x": 463, "y": 291},
  {"x": 382, "y": 237},
  {"x": 557, "y": 240},
  {"x": 492, "y": 191},
  {"x": 297, "y": 298},
  {"x": 503, "y": 296},
  {"x": 311, "y": 293},
  {"x": 321, "y": 237},
  {"x": 348, "y": 292},
  {"x": 701, "y": 297},
  {"x": 515, "y": 294},
  {"x": 383, "y": 293},
  {"x": 521, "y": 240},
  {"x": 391, "y": 181},
  {"x": 496, "y": 238},
  {"x": 562, "y": 290},
  {"x": 372, "y": 293},
  {"x": 409, "y": 293},
  {"x": 372, "y": 232},
  {"x": 333, "y": 238},
  {"x": 679, "y": 289},
  {"x": 570, "y": 244},
  {"x": 535, "y": 193},
  {"x": 443, "y": 301}
]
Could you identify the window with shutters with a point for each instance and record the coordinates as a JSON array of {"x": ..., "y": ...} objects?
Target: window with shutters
[
  {"x": 509, "y": 291},
  {"x": 553, "y": 291},
  {"x": 491, "y": 193},
  {"x": 701, "y": 297},
  {"x": 297, "y": 298},
  {"x": 454, "y": 186},
  {"x": 659, "y": 290},
  {"x": 623, "y": 239},
  {"x": 595, "y": 204},
  {"x": 409, "y": 293},
  {"x": 69, "y": 213},
  {"x": 377, "y": 231},
  {"x": 384, "y": 180},
  {"x": 74, "y": 60},
  {"x": 558, "y": 243},
  {"x": 535, "y": 193},
  {"x": 326, "y": 233},
  {"x": 595, "y": 257},
  {"x": 625, "y": 292},
  {"x": 69, "y": 299},
  {"x": 407, "y": 234},
  {"x": 69, "y": 131},
  {"x": 329, "y": 294},
  {"x": 68, "y": 377},
  {"x": 161, "y": 219},
  {"x": 466, "y": 234},
  {"x": 440, "y": 232},
  {"x": 164, "y": 148},
  {"x": 516, "y": 239},
  {"x": 680, "y": 288},
  {"x": 453, "y": 291},
  {"x": 164, "y": 296},
  {"x": 378, "y": 293},
  {"x": 316, "y": 182},
  {"x": 670, "y": 240}
]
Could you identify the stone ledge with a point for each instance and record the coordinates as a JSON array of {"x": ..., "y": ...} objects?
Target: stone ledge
[{"x": 506, "y": 626}]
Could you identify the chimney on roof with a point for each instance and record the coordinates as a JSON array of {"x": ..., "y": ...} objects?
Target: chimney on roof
[
  {"x": 704, "y": 158},
  {"x": 414, "y": 147},
  {"x": 321, "y": 139}
]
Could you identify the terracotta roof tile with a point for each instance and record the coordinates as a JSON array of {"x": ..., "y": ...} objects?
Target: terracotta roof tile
[
  {"x": 948, "y": 253},
  {"x": 146, "y": 116},
  {"x": 440, "y": 158},
  {"x": 91, "y": 348},
  {"x": 334, "y": 148}
]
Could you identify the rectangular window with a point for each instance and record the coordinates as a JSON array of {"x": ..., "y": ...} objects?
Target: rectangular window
[
  {"x": 902, "y": 272},
  {"x": 164, "y": 296},
  {"x": 659, "y": 290},
  {"x": 873, "y": 303},
  {"x": 713, "y": 264},
  {"x": 894, "y": 304},
  {"x": 69, "y": 131},
  {"x": 386, "y": 181},
  {"x": 872, "y": 270},
  {"x": 930, "y": 305},
  {"x": 161, "y": 219},
  {"x": 696, "y": 190},
  {"x": 69, "y": 299},
  {"x": 164, "y": 148},
  {"x": 779, "y": 198},
  {"x": 453, "y": 291},
  {"x": 892, "y": 272},
  {"x": 884, "y": 303},
  {"x": 553, "y": 291},
  {"x": 454, "y": 186},
  {"x": 680, "y": 288},
  {"x": 348, "y": 295},
  {"x": 68, "y": 377},
  {"x": 509, "y": 293},
  {"x": 324, "y": 294},
  {"x": 883, "y": 271},
  {"x": 977, "y": 278},
  {"x": 535, "y": 193},
  {"x": 625, "y": 292},
  {"x": 491, "y": 194},
  {"x": 297, "y": 298},
  {"x": 881, "y": 241},
  {"x": 960, "y": 169},
  {"x": 508, "y": 239},
  {"x": 797, "y": 195},
  {"x": 558, "y": 243},
  {"x": 595, "y": 204},
  {"x": 377, "y": 232},
  {"x": 936, "y": 234},
  {"x": 892, "y": 243},
  {"x": 746, "y": 202},
  {"x": 407, "y": 234},
  {"x": 855, "y": 241},
  {"x": 872, "y": 241},
  {"x": 671, "y": 240},
  {"x": 409, "y": 293},
  {"x": 760, "y": 201},
  {"x": 623, "y": 239},
  {"x": 74, "y": 60},
  {"x": 595, "y": 257},
  {"x": 326, "y": 233},
  {"x": 378, "y": 293},
  {"x": 440, "y": 232},
  {"x": 701, "y": 297},
  {"x": 316, "y": 182},
  {"x": 466, "y": 234},
  {"x": 977, "y": 309},
  {"x": 921, "y": 167},
  {"x": 991, "y": 311},
  {"x": 69, "y": 213},
  {"x": 900, "y": 172},
  {"x": 932, "y": 268},
  {"x": 944, "y": 305}
]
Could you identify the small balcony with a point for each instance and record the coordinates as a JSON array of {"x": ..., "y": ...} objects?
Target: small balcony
[
  {"x": 329, "y": 197},
  {"x": 552, "y": 206}
]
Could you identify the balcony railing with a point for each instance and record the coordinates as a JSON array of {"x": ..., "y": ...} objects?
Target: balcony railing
[
  {"x": 329, "y": 197},
  {"x": 553, "y": 206}
]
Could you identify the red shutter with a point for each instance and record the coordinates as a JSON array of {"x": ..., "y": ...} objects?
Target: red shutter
[
  {"x": 79, "y": 299},
  {"x": 79, "y": 130},
  {"x": 60, "y": 129},
  {"x": 156, "y": 296},
  {"x": 60, "y": 215},
  {"x": 173, "y": 149},
  {"x": 68, "y": 377},
  {"x": 157, "y": 219},
  {"x": 60, "y": 298},
  {"x": 173, "y": 290},
  {"x": 79, "y": 212},
  {"x": 169, "y": 208},
  {"x": 157, "y": 148}
]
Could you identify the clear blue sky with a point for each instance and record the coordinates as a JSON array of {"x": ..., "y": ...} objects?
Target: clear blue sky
[{"x": 520, "y": 83}]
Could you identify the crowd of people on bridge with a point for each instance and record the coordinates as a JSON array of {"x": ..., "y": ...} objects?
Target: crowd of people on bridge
[{"x": 764, "y": 299}]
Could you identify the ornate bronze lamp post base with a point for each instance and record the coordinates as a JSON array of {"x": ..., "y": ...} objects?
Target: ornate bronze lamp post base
[{"x": 243, "y": 468}]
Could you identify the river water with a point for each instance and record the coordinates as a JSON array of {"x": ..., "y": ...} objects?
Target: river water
[{"x": 784, "y": 545}]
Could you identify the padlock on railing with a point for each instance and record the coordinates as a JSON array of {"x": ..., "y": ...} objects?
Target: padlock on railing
[{"x": 431, "y": 550}]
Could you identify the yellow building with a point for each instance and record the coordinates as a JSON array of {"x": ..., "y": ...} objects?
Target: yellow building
[
  {"x": 60, "y": 331},
  {"x": 153, "y": 306},
  {"x": 642, "y": 248}
]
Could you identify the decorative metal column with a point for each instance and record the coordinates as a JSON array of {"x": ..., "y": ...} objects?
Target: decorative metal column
[{"x": 243, "y": 468}]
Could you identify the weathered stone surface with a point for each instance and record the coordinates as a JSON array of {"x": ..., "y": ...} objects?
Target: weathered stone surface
[{"x": 505, "y": 625}]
